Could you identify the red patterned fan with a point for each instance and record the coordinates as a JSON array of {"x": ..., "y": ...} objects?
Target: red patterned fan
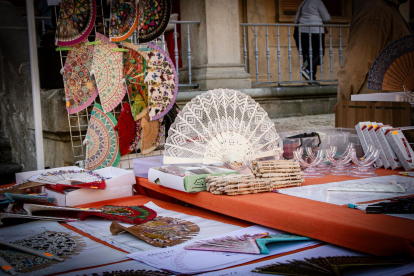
[
  {"x": 128, "y": 214},
  {"x": 126, "y": 129}
]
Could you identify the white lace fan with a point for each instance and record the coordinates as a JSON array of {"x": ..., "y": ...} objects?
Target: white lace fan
[{"x": 221, "y": 126}]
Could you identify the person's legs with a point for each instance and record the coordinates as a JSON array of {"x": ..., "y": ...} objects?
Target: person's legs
[
  {"x": 316, "y": 59},
  {"x": 304, "y": 39}
]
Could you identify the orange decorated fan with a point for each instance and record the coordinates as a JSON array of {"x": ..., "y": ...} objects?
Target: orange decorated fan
[{"x": 393, "y": 69}]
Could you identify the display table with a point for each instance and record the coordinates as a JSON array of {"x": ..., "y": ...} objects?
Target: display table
[{"x": 375, "y": 234}]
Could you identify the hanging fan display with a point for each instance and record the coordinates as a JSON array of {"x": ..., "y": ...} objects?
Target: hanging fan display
[
  {"x": 124, "y": 19},
  {"x": 75, "y": 22},
  {"x": 126, "y": 129},
  {"x": 134, "y": 72},
  {"x": 153, "y": 18},
  {"x": 151, "y": 134},
  {"x": 162, "y": 81},
  {"x": 107, "y": 67},
  {"x": 127, "y": 214},
  {"x": 102, "y": 144},
  {"x": 80, "y": 86},
  {"x": 393, "y": 69},
  {"x": 161, "y": 231},
  {"x": 221, "y": 126}
]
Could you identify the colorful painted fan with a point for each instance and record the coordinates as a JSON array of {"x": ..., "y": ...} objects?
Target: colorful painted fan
[
  {"x": 134, "y": 71},
  {"x": 394, "y": 67},
  {"x": 128, "y": 214},
  {"x": 161, "y": 231},
  {"x": 162, "y": 82},
  {"x": 124, "y": 19},
  {"x": 151, "y": 134},
  {"x": 80, "y": 86},
  {"x": 126, "y": 129},
  {"x": 249, "y": 244},
  {"x": 326, "y": 265},
  {"x": 153, "y": 18},
  {"x": 75, "y": 22},
  {"x": 102, "y": 144},
  {"x": 108, "y": 71}
]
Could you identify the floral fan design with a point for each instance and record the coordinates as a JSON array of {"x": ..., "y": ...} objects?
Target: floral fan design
[
  {"x": 102, "y": 145},
  {"x": 162, "y": 82},
  {"x": 124, "y": 19},
  {"x": 153, "y": 18},
  {"x": 80, "y": 86},
  {"x": 393, "y": 69},
  {"x": 221, "y": 126},
  {"x": 134, "y": 72},
  {"x": 75, "y": 22}
]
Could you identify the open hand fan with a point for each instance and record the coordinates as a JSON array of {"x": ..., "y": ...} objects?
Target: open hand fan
[
  {"x": 124, "y": 19},
  {"x": 161, "y": 231},
  {"x": 80, "y": 86},
  {"x": 394, "y": 67},
  {"x": 102, "y": 145},
  {"x": 108, "y": 71},
  {"x": 153, "y": 18},
  {"x": 75, "y": 22},
  {"x": 126, "y": 129},
  {"x": 134, "y": 72},
  {"x": 162, "y": 82},
  {"x": 221, "y": 126},
  {"x": 151, "y": 134}
]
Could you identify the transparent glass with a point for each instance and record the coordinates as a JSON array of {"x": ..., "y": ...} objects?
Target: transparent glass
[{"x": 309, "y": 164}]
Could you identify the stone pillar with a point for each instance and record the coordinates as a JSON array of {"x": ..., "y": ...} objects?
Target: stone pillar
[{"x": 215, "y": 44}]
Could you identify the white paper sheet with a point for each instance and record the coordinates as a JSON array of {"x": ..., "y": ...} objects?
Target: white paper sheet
[
  {"x": 93, "y": 254},
  {"x": 321, "y": 193},
  {"x": 128, "y": 265},
  {"x": 99, "y": 228},
  {"x": 178, "y": 260},
  {"x": 323, "y": 251}
]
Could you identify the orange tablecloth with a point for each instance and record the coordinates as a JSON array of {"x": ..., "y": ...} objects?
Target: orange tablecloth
[{"x": 340, "y": 225}]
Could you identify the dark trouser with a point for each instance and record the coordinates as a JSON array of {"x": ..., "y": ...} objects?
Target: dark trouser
[{"x": 316, "y": 58}]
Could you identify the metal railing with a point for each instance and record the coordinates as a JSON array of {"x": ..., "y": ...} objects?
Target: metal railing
[{"x": 283, "y": 79}]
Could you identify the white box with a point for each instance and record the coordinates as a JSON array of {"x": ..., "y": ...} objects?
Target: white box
[
  {"x": 144, "y": 164},
  {"x": 23, "y": 176},
  {"x": 367, "y": 139},
  {"x": 119, "y": 185},
  {"x": 377, "y": 144},
  {"x": 359, "y": 128},
  {"x": 401, "y": 147},
  {"x": 388, "y": 150},
  {"x": 381, "y": 97}
]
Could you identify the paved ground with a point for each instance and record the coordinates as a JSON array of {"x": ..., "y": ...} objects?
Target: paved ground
[{"x": 305, "y": 122}]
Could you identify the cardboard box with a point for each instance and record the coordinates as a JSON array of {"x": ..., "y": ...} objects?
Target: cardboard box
[
  {"x": 377, "y": 144},
  {"x": 119, "y": 185},
  {"x": 401, "y": 147},
  {"x": 386, "y": 146},
  {"x": 369, "y": 141},
  {"x": 23, "y": 176},
  {"x": 188, "y": 178}
]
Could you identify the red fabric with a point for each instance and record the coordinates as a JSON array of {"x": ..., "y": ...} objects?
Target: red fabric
[
  {"x": 340, "y": 225},
  {"x": 126, "y": 129}
]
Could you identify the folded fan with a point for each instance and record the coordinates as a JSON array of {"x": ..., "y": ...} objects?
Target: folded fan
[
  {"x": 128, "y": 214},
  {"x": 249, "y": 244}
]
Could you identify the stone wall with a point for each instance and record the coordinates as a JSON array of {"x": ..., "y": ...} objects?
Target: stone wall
[{"x": 16, "y": 99}]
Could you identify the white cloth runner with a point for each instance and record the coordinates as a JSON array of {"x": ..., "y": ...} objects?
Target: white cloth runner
[
  {"x": 99, "y": 228},
  {"x": 321, "y": 193},
  {"x": 93, "y": 254},
  {"x": 323, "y": 251},
  {"x": 181, "y": 261}
]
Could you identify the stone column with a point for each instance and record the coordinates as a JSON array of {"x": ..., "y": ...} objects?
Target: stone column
[{"x": 215, "y": 44}]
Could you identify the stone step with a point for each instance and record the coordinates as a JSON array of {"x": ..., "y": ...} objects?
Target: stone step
[
  {"x": 5, "y": 150},
  {"x": 7, "y": 172}
]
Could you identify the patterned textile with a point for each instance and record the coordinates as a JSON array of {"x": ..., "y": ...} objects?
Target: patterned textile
[
  {"x": 75, "y": 22},
  {"x": 108, "y": 70},
  {"x": 126, "y": 129},
  {"x": 102, "y": 149},
  {"x": 153, "y": 18},
  {"x": 56, "y": 243},
  {"x": 128, "y": 214},
  {"x": 162, "y": 82},
  {"x": 124, "y": 19},
  {"x": 394, "y": 66},
  {"x": 80, "y": 86},
  {"x": 134, "y": 72}
]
